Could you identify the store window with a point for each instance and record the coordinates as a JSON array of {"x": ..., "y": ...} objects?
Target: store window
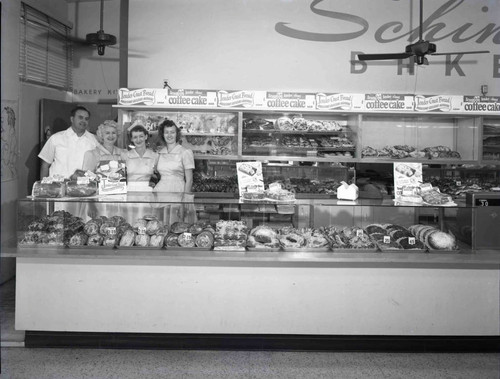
[{"x": 45, "y": 50}]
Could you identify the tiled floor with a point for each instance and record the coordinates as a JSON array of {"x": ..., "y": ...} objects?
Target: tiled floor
[
  {"x": 9, "y": 336},
  {"x": 95, "y": 363},
  {"x": 19, "y": 362}
]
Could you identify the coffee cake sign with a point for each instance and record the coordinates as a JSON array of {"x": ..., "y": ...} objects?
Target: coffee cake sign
[{"x": 432, "y": 26}]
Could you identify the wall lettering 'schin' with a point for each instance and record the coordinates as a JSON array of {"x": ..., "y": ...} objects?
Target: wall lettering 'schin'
[
  {"x": 432, "y": 30},
  {"x": 284, "y": 29}
]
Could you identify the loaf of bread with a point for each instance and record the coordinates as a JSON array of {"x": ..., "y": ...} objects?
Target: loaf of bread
[{"x": 433, "y": 237}]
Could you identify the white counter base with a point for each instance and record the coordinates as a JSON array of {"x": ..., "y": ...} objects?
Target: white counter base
[{"x": 126, "y": 295}]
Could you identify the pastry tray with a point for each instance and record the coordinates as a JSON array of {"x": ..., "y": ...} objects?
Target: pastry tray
[
  {"x": 41, "y": 246},
  {"x": 443, "y": 251},
  {"x": 264, "y": 249},
  {"x": 362, "y": 250},
  {"x": 138, "y": 247},
  {"x": 307, "y": 249},
  {"x": 268, "y": 201},
  {"x": 234, "y": 249},
  {"x": 93, "y": 247},
  {"x": 384, "y": 249},
  {"x": 180, "y": 248},
  {"x": 401, "y": 250},
  {"x": 226, "y": 195}
]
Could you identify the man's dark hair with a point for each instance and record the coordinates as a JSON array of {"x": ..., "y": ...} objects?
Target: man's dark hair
[{"x": 79, "y": 108}]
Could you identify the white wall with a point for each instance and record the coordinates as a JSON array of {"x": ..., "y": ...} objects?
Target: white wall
[
  {"x": 9, "y": 91},
  {"x": 27, "y": 124},
  {"x": 95, "y": 77},
  {"x": 233, "y": 44}
]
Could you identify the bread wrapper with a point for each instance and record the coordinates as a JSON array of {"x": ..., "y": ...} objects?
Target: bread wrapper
[
  {"x": 49, "y": 187},
  {"x": 77, "y": 188}
]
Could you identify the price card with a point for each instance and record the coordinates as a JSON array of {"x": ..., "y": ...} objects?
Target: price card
[
  {"x": 411, "y": 240},
  {"x": 141, "y": 230},
  {"x": 83, "y": 180},
  {"x": 111, "y": 231},
  {"x": 359, "y": 233},
  {"x": 459, "y": 183},
  {"x": 275, "y": 187},
  {"x": 387, "y": 239}
]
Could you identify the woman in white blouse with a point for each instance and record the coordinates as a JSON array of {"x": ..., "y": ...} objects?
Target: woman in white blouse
[{"x": 140, "y": 161}]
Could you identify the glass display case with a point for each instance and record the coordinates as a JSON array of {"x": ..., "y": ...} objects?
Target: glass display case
[
  {"x": 491, "y": 140},
  {"x": 138, "y": 223},
  {"x": 428, "y": 138},
  {"x": 313, "y": 135},
  {"x": 205, "y": 133}
]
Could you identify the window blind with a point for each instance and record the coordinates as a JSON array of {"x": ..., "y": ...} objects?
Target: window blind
[{"x": 45, "y": 50}]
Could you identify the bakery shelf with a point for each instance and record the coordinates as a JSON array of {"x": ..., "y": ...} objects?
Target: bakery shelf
[
  {"x": 209, "y": 135},
  {"x": 295, "y": 132}
]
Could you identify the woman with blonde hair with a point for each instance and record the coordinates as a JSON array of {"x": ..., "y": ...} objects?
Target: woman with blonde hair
[{"x": 107, "y": 135}]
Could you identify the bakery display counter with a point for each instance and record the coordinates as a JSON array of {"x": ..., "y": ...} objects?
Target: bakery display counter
[
  {"x": 243, "y": 284},
  {"x": 157, "y": 224}
]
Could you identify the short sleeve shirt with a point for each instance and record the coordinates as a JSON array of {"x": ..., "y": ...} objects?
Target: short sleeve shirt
[
  {"x": 140, "y": 169},
  {"x": 64, "y": 151}
]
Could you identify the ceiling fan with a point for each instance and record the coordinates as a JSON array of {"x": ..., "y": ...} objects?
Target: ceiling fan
[
  {"x": 419, "y": 49},
  {"x": 100, "y": 39}
]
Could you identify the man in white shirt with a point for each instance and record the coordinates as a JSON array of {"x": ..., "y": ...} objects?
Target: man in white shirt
[{"x": 63, "y": 152}]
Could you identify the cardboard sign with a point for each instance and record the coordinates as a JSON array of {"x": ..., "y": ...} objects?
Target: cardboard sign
[
  {"x": 407, "y": 181},
  {"x": 250, "y": 178}
]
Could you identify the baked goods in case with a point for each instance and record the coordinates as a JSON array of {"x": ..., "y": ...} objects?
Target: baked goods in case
[
  {"x": 78, "y": 239},
  {"x": 76, "y": 189},
  {"x": 230, "y": 233},
  {"x": 171, "y": 240},
  {"x": 263, "y": 237},
  {"x": 394, "y": 237},
  {"x": 434, "y": 238},
  {"x": 205, "y": 239},
  {"x": 50, "y": 189},
  {"x": 179, "y": 227},
  {"x": 142, "y": 240},
  {"x": 315, "y": 239},
  {"x": 153, "y": 226},
  {"x": 127, "y": 238},
  {"x": 348, "y": 238},
  {"x": 93, "y": 226},
  {"x": 435, "y": 197},
  {"x": 300, "y": 124},
  {"x": 186, "y": 240},
  {"x": 410, "y": 244},
  {"x": 291, "y": 238},
  {"x": 95, "y": 240},
  {"x": 284, "y": 124},
  {"x": 109, "y": 241}
]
